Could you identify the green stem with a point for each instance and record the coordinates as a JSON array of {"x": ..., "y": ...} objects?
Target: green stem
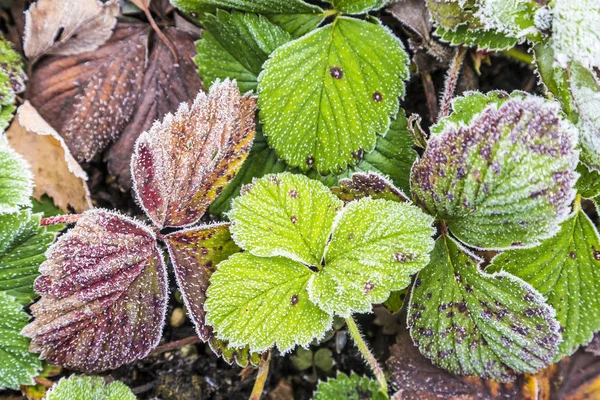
[
  {"x": 366, "y": 352},
  {"x": 261, "y": 377},
  {"x": 518, "y": 55}
]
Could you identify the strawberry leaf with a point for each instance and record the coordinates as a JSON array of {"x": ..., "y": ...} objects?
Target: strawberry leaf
[
  {"x": 104, "y": 294},
  {"x": 23, "y": 243},
  {"x": 183, "y": 163},
  {"x": 12, "y": 81},
  {"x": 370, "y": 184},
  {"x": 322, "y": 103},
  {"x": 235, "y": 45},
  {"x": 284, "y": 215},
  {"x": 16, "y": 180},
  {"x": 473, "y": 323},
  {"x": 263, "y": 302},
  {"x": 500, "y": 170},
  {"x": 351, "y": 387},
  {"x": 89, "y": 388},
  {"x": 357, "y": 6},
  {"x": 588, "y": 184},
  {"x": 241, "y": 356},
  {"x": 17, "y": 365},
  {"x": 375, "y": 246},
  {"x": 566, "y": 270}
]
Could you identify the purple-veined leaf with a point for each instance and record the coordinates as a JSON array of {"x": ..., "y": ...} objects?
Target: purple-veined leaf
[
  {"x": 183, "y": 163},
  {"x": 104, "y": 295}
]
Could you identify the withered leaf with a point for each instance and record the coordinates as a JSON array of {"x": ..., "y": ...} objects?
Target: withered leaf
[
  {"x": 104, "y": 294},
  {"x": 183, "y": 163},
  {"x": 166, "y": 84},
  {"x": 68, "y": 26},
  {"x": 88, "y": 98},
  {"x": 56, "y": 173}
]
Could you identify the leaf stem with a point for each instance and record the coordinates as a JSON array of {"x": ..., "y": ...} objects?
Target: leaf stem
[
  {"x": 47, "y": 383},
  {"x": 366, "y": 352},
  {"x": 261, "y": 377},
  {"x": 577, "y": 204},
  {"x": 60, "y": 219},
  {"x": 518, "y": 55},
  {"x": 161, "y": 35},
  {"x": 451, "y": 81},
  {"x": 174, "y": 345},
  {"x": 430, "y": 95}
]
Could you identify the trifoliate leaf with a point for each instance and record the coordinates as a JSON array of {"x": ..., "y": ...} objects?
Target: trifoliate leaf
[
  {"x": 195, "y": 253},
  {"x": 17, "y": 365},
  {"x": 16, "y": 180},
  {"x": 284, "y": 215},
  {"x": 473, "y": 323},
  {"x": 23, "y": 243},
  {"x": 376, "y": 245},
  {"x": 588, "y": 184},
  {"x": 262, "y": 302},
  {"x": 585, "y": 89},
  {"x": 501, "y": 175},
  {"x": 357, "y": 6},
  {"x": 104, "y": 295},
  {"x": 325, "y": 97},
  {"x": 566, "y": 270},
  {"x": 183, "y": 163},
  {"x": 235, "y": 46},
  {"x": 89, "y": 388},
  {"x": 372, "y": 185},
  {"x": 576, "y": 32},
  {"x": 295, "y": 16},
  {"x": 351, "y": 387}
]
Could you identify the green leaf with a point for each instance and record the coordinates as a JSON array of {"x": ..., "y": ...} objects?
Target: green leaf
[
  {"x": 376, "y": 245},
  {"x": 483, "y": 39},
  {"x": 242, "y": 356},
  {"x": 516, "y": 18},
  {"x": 576, "y": 32},
  {"x": 16, "y": 180},
  {"x": 235, "y": 45},
  {"x": 501, "y": 175},
  {"x": 357, "y": 6},
  {"x": 89, "y": 388},
  {"x": 263, "y": 302},
  {"x": 554, "y": 78},
  {"x": 588, "y": 184},
  {"x": 23, "y": 243},
  {"x": 325, "y": 97},
  {"x": 351, "y": 387},
  {"x": 566, "y": 270},
  {"x": 12, "y": 81},
  {"x": 284, "y": 215},
  {"x": 17, "y": 365},
  {"x": 473, "y": 323}
]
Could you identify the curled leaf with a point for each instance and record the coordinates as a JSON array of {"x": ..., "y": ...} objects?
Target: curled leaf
[
  {"x": 183, "y": 163},
  {"x": 104, "y": 296}
]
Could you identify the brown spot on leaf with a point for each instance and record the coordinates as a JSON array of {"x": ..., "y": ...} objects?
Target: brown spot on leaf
[
  {"x": 294, "y": 300},
  {"x": 336, "y": 72},
  {"x": 377, "y": 97}
]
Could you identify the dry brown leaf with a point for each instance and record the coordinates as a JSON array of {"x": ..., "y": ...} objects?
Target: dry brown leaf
[
  {"x": 68, "y": 27},
  {"x": 56, "y": 172}
]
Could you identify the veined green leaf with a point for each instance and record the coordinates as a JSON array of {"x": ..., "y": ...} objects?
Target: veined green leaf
[
  {"x": 263, "y": 302},
  {"x": 566, "y": 270},
  {"x": 501, "y": 175},
  {"x": 325, "y": 97},
  {"x": 484, "y": 39},
  {"x": 284, "y": 215},
  {"x": 473, "y": 323},
  {"x": 16, "y": 180},
  {"x": 235, "y": 45},
  {"x": 376, "y": 245},
  {"x": 17, "y": 365},
  {"x": 89, "y": 388},
  {"x": 515, "y": 18},
  {"x": 588, "y": 184},
  {"x": 351, "y": 387},
  {"x": 23, "y": 243},
  {"x": 357, "y": 6}
]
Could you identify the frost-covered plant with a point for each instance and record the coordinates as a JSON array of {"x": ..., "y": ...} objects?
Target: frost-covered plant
[
  {"x": 88, "y": 388},
  {"x": 12, "y": 81}
]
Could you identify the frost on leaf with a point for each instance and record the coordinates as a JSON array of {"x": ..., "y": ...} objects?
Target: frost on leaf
[
  {"x": 89, "y": 388},
  {"x": 369, "y": 184},
  {"x": 241, "y": 355},
  {"x": 375, "y": 246},
  {"x": 12, "y": 81},
  {"x": 284, "y": 215},
  {"x": 357, "y": 6},
  {"x": 473, "y": 323},
  {"x": 588, "y": 184},
  {"x": 514, "y": 18},
  {"x": 325, "y": 97},
  {"x": 68, "y": 26},
  {"x": 16, "y": 180},
  {"x": 22, "y": 246},
  {"x": 235, "y": 45},
  {"x": 566, "y": 270},
  {"x": 195, "y": 253},
  {"x": 17, "y": 365},
  {"x": 351, "y": 387},
  {"x": 576, "y": 32},
  {"x": 183, "y": 163},
  {"x": 263, "y": 302},
  {"x": 103, "y": 290},
  {"x": 500, "y": 174}
]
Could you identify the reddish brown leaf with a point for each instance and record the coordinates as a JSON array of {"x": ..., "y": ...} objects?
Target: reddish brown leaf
[
  {"x": 195, "y": 253},
  {"x": 88, "y": 98},
  {"x": 104, "y": 294},
  {"x": 166, "y": 85},
  {"x": 183, "y": 163}
]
